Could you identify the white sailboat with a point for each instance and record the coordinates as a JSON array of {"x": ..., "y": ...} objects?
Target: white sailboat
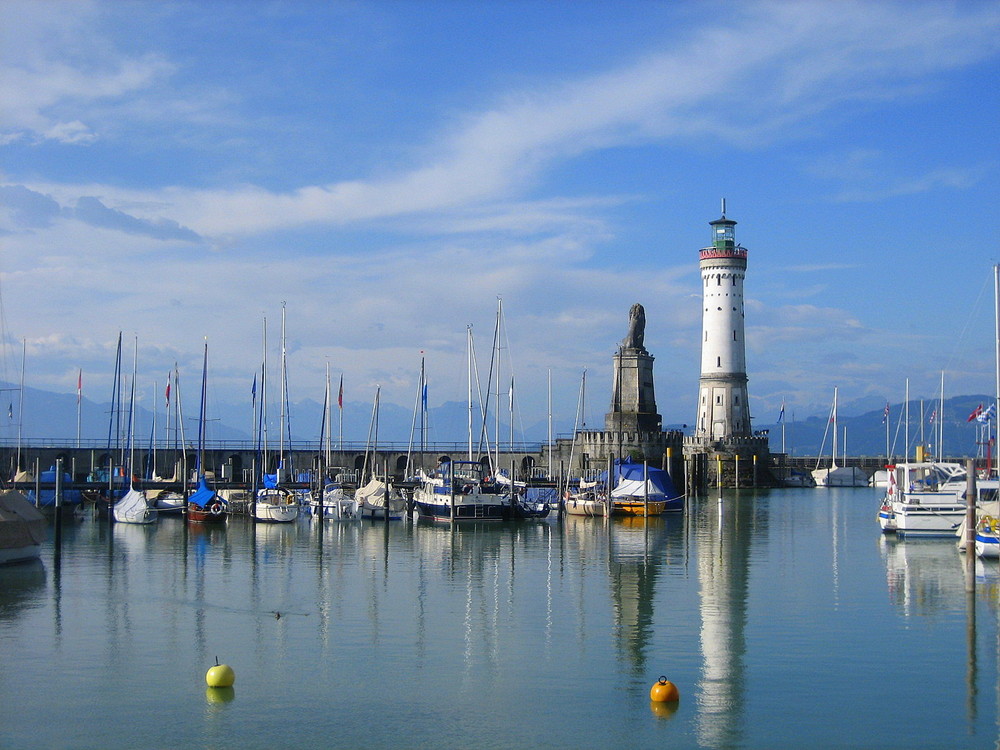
[
  {"x": 274, "y": 503},
  {"x": 838, "y": 476},
  {"x": 134, "y": 507}
]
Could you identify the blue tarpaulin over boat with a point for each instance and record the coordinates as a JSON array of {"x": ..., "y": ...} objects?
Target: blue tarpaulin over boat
[
  {"x": 541, "y": 494},
  {"x": 203, "y": 495},
  {"x": 659, "y": 480},
  {"x": 48, "y": 496}
]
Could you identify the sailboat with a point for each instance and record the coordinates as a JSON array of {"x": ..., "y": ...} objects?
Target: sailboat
[
  {"x": 272, "y": 502},
  {"x": 22, "y": 528},
  {"x": 376, "y": 499},
  {"x": 838, "y": 476},
  {"x": 204, "y": 505},
  {"x": 134, "y": 507}
]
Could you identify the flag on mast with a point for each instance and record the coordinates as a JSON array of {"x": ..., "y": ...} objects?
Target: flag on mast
[
  {"x": 253, "y": 390},
  {"x": 79, "y": 386},
  {"x": 781, "y": 414},
  {"x": 166, "y": 393},
  {"x": 885, "y": 414},
  {"x": 423, "y": 398},
  {"x": 975, "y": 413},
  {"x": 340, "y": 394}
]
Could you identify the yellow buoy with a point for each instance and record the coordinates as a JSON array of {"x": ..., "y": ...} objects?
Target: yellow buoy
[
  {"x": 220, "y": 676},
  {"x": 663, "y": 691}
]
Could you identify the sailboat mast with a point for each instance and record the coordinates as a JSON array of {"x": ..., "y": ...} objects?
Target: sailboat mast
[
  {"x": 131, "y": 413},
  {"x": 496, "y": 410},
  {"x": 996, "y": 305},
  {"x": 906, "y": 422},
  {"x": 328, "y": 417},
  {"x": 263, "y": 402},
  {"x": 549, "y": 378},
  {"x": 282, "y": 415},
  {"x": 20, "y": 399},
  {"x": 833, "y": 463},
  {"x": 423, "y": 409},
  {"x": 469, "y": 356},
  {"x": 940, "y": 422},
  {"x": 201, "y": 414}
]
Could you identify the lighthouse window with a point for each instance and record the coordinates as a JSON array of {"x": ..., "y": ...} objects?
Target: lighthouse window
[
  {"x": 706, "y": 335},
  {"x": 734, "y": 335},
  {"x": 718, "y": 280},
  {"x": 718, "y": 361}
]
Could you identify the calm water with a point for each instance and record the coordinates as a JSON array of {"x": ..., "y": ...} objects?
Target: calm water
[{"x": 784, "y": 617}]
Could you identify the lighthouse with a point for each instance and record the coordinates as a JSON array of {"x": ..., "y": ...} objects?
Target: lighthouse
[{"x": 723, "y": 409}]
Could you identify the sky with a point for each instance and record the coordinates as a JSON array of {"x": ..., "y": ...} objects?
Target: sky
[{"x": 386, "y": 171}]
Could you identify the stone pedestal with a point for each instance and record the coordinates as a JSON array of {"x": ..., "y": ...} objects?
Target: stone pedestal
[{"x": 633, "y": 402}]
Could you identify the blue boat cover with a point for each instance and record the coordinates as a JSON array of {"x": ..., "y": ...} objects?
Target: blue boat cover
[
  {"x": 203, "y": 495},
  {"x": 658, "y": 478}
]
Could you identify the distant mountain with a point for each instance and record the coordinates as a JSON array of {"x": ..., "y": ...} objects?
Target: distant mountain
[
  {"x": 52, "y": 417},
  {"x": 866, "y": 431}
]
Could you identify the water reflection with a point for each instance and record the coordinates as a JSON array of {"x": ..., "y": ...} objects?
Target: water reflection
[
  {"x": 499, "y": 612},
  {"x": 924, "y": 576},
  {"x": 20, "y": 587},
  {"x": 728, "y": 527}
]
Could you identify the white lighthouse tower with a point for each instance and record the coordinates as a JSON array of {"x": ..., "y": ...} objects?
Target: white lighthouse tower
[{"x": 723, "y": 410}]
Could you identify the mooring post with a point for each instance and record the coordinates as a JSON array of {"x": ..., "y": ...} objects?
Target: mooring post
[
  {"x": 38, "y": 484},
  {"x": 970, "y": 525},
  {"x": 58, "y": 503}
]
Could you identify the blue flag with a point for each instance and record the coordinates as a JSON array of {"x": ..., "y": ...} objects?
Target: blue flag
[{"x": 423, "y": 398}]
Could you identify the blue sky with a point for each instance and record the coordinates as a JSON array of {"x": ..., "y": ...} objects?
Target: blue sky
[{"x": 178, "y": 170}]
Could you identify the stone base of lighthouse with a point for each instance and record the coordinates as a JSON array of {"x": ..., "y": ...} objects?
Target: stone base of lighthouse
[{"x": 733, "y": 463}]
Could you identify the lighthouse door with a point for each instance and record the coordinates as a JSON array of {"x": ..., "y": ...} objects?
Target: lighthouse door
[{"x": 718, "y": 413}]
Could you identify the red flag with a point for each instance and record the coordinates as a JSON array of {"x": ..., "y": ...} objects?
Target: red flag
[
  {"x": 166, "y": 395},
  {"x": 975, "y": 413},
  {"x": 79, "y": 386},
  {"x": 340, "y": 396}
]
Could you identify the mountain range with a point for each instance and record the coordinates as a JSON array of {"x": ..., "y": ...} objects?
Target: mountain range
[{"x": 52, "y": 418}]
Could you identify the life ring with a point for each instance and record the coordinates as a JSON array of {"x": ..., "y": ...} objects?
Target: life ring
[{"x": 215, "y": 508}]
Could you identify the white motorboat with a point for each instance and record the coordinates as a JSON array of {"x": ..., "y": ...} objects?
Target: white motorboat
[
  {"x": 275, "y": 505},
  {"x": 928, "y": 498}
]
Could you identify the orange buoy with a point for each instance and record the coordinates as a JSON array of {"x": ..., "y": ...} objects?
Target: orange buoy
[{"x": 664, "y": 691}]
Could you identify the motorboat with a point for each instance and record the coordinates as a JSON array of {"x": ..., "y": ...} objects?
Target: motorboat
[
  {"x": 457, "y": 491},
  {"x": 927, "y": 498}
]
